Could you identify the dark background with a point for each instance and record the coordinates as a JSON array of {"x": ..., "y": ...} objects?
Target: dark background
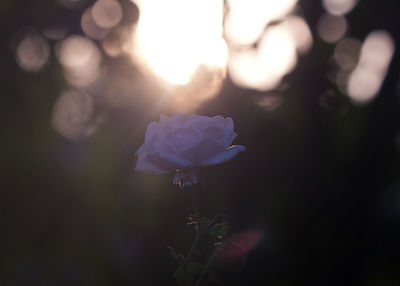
[{"x": 321, "y": 182}]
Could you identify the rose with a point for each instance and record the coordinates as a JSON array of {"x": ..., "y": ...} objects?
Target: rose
[{"x": 186, "y": 142}]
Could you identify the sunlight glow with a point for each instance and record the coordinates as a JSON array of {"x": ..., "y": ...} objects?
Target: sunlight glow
[
  {"x": 247, "y": 19},
  {"x": 367, "y": 77},
  {"x": 173, "y": 38},
  {"x": 300, "y": 32},
  {"x": 270, "y": 101},
  {"x": 264, "y": 67}
]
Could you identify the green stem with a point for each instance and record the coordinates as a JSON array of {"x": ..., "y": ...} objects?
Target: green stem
[
  {"x": 206, "y": 266},
  {"x": 194, "y": 245},
  {"x": 195, "y": 200}
]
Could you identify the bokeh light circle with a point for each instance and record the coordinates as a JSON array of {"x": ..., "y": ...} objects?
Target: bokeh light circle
[
  {"x": 81, "y": 60},
  {"x": 32, "y": 51},
  {"x": 339, "y": 7},
  {"x": 331, "y": 28},
  {"x": 107, "y": 13}
]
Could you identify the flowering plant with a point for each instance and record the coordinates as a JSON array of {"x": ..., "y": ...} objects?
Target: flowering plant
[{"x": 184, "y": 144}]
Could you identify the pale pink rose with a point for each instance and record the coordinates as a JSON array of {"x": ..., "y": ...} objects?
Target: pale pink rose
[{"x": 186, "y": 143}]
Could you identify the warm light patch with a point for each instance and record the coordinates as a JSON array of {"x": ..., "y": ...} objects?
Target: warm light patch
[
  {"x": 81, "y": 60},
  {"x": 72, "y": 113},
  {"x": 339, "y": 7},
  {"x": 115, "y": 42},
  {"x": 107, "y": 13},
  {"x": 90, "y": 28},
  {"x": 346, "y": 53},
  {"x": 270, "y": 101},
  {"x": 247, "y": 19},
  {"x": 300, "y": 33},
  {"x": 331, "y": 28},
  {"x": 264, "y": 67},
  {"x": 32, "y": 51},
  {"x": 173, "y": 38},
  {"x": 366, "y": 79}
]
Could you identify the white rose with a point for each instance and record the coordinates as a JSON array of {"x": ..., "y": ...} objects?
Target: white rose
[{"x": 186, "y": 142}]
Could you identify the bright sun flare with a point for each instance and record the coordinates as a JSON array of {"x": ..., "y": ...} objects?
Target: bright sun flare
[{"x": 174, "y": 37}]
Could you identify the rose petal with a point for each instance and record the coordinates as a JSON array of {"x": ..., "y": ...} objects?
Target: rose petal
[
  {"x": 165, "y": 126},
  {"x": 164, "y": 121},
  {"x": 178, "y": 120},
  {"x": 140, "y": 150},
  {"x": 143, "y": 164},
  {"x": 223, "y": 156},
  {"x": 168, "y": 161},
  {"x": 218, "y": 117},
  {"x": 161, "y": 144},
  {"x": 224, "y": 137},
  {"x": 228, "y": 123},
  {"x": 206, "y": 148},
  {"x": 183, "y": 142},
  {"x": 183, "y": 137},
  {"x": 198, "y": 122},
  {"x": 218, "y": 121},
  {"x": 151, "y": 131},
  {"x": 233, "y": 136}
]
